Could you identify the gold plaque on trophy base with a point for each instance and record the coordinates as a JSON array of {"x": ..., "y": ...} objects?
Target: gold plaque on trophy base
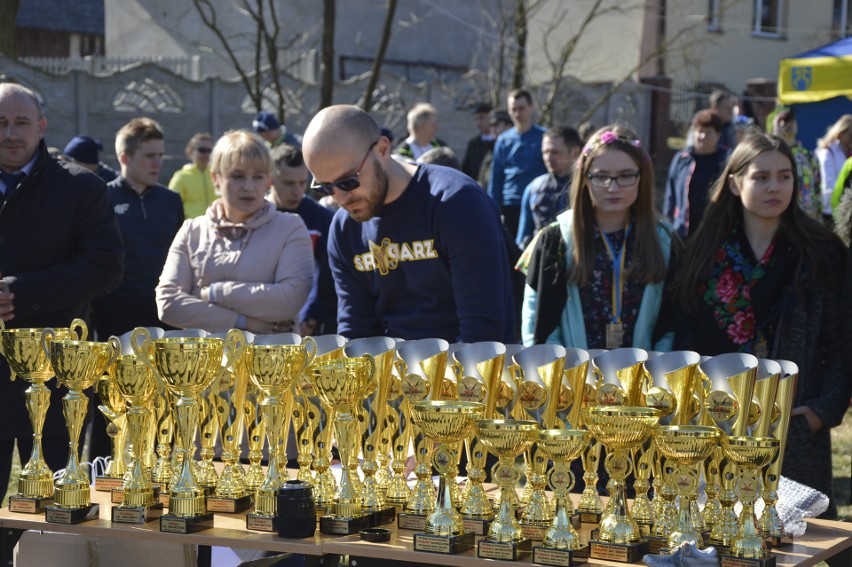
[
  {"x": 108, "y": 483},
  {"x": 505, "y": 551},
  {"x": 656, "y": 544},
  {"x": 732, "y": 561},
  {"x": 137, "y": 514},
  {"x": 409, "y": 521},
  {"x": 259, "y": 523},
  {"x": 345, "y": 526},
  {"x": 621, "y": 552},
  {"x": 179, "y": 525},
  {"x": 229, "y": 505},
  {"x": 165, "y": 498},
  {"x": 534, "y": 531},
  {"x": 476, "y": 525},
  {"x": 559, "y": 557},
  {"x": 55, "y": 515},
  {"x": 591, "y": 517},
  {"x": 446, "y": 545},
  {"x": 24, "y": 505}
]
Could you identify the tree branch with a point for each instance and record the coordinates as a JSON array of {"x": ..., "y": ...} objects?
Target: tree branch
[{"x": 380, "y": 55}]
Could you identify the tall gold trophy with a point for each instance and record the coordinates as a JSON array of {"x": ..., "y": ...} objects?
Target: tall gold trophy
[
  {"x": 255, "y": 437},
  {"x": 137, "y": 385},
  {"x": 372, "y": 412},
  {"x": 188, "y": 365},
  {"x": 22, "y": 349},
  {"x": 228, "y": 394},
  {"x": 540, "y": 371},
  {"x": 77, "y": 365},
  {"x": 507, "y": 439},
  {"x": 398, "y": 419},
  {"x": 447, "y": 423},
  {"x": 481, "y": 367},
  {"x": 620, "y": 429},
  {"x": 422, "y": 365},
  {"x": 591, "y": 505},
  {"x": 342, "y": 385},
  {"x": 273, "y": 368},
  {"x": 114, "y": 410},
  {"x": 771, "y": 527}
]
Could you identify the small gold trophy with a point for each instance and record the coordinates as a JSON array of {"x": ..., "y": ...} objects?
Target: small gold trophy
[
  {"x": 372, "y": 412},
  {"x": 272, "y": 368},
  {"x": 23, "y": 350},
  {"x": 540, "y": 375},
  {"x": 114, "y": 409},
  {"x": 137, "y": 385},
  {"x": 77, "y": 365},
  {"x": 619, "y": 428},
  {"x": 188, "y": 365},
  {"x": 255, "y": 437},
  {"x": 422, "y": 365},
  {"x": 507, "y": 439},
  {"x": 398, "y": 421},
  {"x": 447, "y": 423},
  {"x": 771, "y": 527},
  {"x": 481, "y": 367},
  {"x": 591, "y": 505},
  {"x": 342, "y": 385}
]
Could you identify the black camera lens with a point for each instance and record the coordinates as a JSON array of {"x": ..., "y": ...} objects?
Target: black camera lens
[{"x": 296, "y": 513}]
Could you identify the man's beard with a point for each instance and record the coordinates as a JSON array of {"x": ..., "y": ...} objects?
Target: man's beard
[{"x": 375, "y": 199}]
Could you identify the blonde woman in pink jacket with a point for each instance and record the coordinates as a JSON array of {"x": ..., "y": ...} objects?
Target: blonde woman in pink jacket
[{"x": 243, "y": 264}]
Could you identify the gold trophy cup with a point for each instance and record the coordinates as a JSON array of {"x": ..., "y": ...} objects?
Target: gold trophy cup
[
  {"x": 77, "y": 365},
  {"x": 507, "y": 439},
  {"x": 447, "y": 423},
  {"x": 22, "y": 349},
  {"x": 591, "y": 505}
]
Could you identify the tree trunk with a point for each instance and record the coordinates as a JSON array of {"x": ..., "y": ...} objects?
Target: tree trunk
[
  {"x": 380, "y": 55},
  {"x": 521, "y": 37},
  {"x": 8, "y": 40},
  {"x": 327, "y": 64}
]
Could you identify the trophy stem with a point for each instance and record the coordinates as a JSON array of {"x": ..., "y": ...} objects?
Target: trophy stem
[
  {"x": 422, "y": 499},
  {"x": 771, "y": 525},
  {"x": 301, "y": 424},
  {"x": 642, "y": 510},
  {"x": 445, "y": 519},
  {"x": 266, "y": 501},
  {"x": 72, "y": 488},
  {"x": 537, "y": 511},
  {"x": 231, "y": 483},
  {"x": 118, "y": 465},
  {"x": 726, "y": 527},
  {"x": 162, "y": 471},
  {"x": 137, "y": 488},
  {"x": 186, "y": 499},
  {"x": 617, "y": 526},
  {"x": 475, "y": 504},
  {"x": 505, "y": 527},
  {"x": 590, "y": 500},
  {"x": 561, "y": 534},
  {"x": 347, "y": 501},
  {"x": 36, "y": 479},
  {"x": 748, "y": 543},
  {"x": 254, "y": 474}
]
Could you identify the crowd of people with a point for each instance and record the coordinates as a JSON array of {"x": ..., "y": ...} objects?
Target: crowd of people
[{"x": 536, "y": 236}]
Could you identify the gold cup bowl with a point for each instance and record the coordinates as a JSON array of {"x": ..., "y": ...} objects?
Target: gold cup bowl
[
  {"x": 562, "y": 446},
  {"x": 446, "y": 422}
]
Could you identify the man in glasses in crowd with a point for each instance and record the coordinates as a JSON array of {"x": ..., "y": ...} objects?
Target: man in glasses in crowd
[{"x": 417, "y": 250}]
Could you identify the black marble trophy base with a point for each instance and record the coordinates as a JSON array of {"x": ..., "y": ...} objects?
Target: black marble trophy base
[
  {"x": 137, "y": 514},
  {"x": 447, "y": 545},
  {"x": 559, "y": 557},
  {"x": 179, "y": 525},
  {"x": 506, "y": 551},
  {"x": 56, "y": 515},
  {"x": 229, "y": 505},
  {"x": 23, "y": 505}
]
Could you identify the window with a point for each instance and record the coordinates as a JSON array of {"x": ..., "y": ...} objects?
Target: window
[
  {"x": 714, "y": 15},
  {"x": 767, "y": 18},
  {"x": 841, "y": 18}
]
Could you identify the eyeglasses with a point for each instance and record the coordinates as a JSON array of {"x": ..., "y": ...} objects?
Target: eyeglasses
[
  {"x": 204, "y": 150},
  {"x": 348, "y": 183},
  {"x": 605, "y": 181}
]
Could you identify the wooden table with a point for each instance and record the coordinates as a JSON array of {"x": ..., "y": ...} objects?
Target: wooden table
[{"x": 824, "y": 539}]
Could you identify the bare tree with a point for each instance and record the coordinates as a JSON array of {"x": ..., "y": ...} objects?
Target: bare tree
[
  {"x": 519, "y": 68},
  {"x": 380, "y": 55},
  {"x": 8, "y": 15},
  {"x": 327, "y": 65}
]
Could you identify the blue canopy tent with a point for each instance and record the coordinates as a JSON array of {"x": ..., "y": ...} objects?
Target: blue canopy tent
[{"x": 817, "y": 84}]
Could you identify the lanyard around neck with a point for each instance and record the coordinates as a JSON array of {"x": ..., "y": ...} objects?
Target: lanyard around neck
[{"x": 618, "y": 260}]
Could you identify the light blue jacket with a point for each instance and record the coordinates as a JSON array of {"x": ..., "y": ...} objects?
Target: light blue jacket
[{"x": 571, "y": 331}]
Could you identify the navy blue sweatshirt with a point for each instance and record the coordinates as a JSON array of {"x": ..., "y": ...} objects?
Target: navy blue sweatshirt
[{"x": 433, "y": 263}]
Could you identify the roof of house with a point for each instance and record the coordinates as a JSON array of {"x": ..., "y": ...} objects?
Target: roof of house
[{"x": 79, "y": 16}]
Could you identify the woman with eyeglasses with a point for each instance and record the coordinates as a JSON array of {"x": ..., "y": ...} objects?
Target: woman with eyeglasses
[
  {"x": 193, "y": 181},
  {"x": 243, "y": 264},
  {"x": 595, "y": 276},
  {"x": 761, "y": 276}
]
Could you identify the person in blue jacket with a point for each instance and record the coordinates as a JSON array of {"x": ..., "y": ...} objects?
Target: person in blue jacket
[
  {"x": 595, "y": 276},
  {"x": 416, "y": 250}
]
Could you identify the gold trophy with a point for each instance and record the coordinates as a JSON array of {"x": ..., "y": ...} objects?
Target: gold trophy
[
  {"x": 77, "y": 365},
  {"x": 591, "y": 505},
  {"x": 208, "y": 426},
  {"x": 342, "y": 386},
  {"x": 507, "y": 439},
  {"x": 539, "y": 370},
  {"x": 619, "y": 428},
  {"x": 272, "y": 368},
  {"x": 399, "y": 434},
  {"x": 255, "y": 437},
  {"x": 23, "y": 350},
  {"x": 228, "y": 394},
  {"x": 481, "y": 366},
  {"x": 137, "y": 385},
  {"x": 447, "y": 423},
  {"x": 771, "y": 527},
  {"x": 422, "y": 365},
  {"x": 372, "y": 412},
  {"x": 188, "y": 365},
  {"x": 561, "y": 544},
  {"x": 731, "y": 377},
  {"x": 114, "y": 409}
]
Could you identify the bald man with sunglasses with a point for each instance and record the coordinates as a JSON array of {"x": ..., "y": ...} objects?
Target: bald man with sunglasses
[{"x": 416, "y": 250}]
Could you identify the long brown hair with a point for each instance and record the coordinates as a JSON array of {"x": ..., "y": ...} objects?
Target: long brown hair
[
  {"x": 724, "y": 213},
  {"x": 648, "y": 263}
]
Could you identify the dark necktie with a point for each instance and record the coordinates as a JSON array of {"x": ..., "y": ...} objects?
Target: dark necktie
[{"x": 11, "y": 180}]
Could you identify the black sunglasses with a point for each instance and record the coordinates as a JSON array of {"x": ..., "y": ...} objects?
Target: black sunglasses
[
  {"x": 348, "y": 183},
  {"x": 204, "y": 150}
]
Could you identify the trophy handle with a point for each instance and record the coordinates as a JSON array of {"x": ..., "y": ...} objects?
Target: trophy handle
[
  {"x": 370, "y": 359},
  {"x": 142, "y": 348},
  {"x": 310, "y": 351},
  {"x": 115, "y": 345},
  {"x": 47, "y": 337},
  {"x": 79, "y": 330},
  {"x": 235, "y": 346}
]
